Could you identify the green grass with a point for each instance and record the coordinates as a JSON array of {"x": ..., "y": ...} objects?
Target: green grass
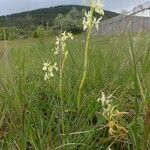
[{"x": 30, "y": 108}]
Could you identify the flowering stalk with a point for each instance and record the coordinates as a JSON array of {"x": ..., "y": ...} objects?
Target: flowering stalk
[
  {"x": 60, "y": 57},
  {"x": 112, "y": 115},
  {"x": 60, "y": 50},
  {"x": 62, "y": 64},
  {"x": 85, "y": 60},
  {"x": 89, "y": 21},
  {"x": 62, "y": 53},
  {"x": 49, "y": 69}
]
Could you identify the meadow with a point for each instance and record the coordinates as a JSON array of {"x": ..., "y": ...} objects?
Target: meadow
[{"x": 32, "y": 109}]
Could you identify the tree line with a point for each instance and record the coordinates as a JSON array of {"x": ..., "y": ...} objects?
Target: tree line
[{"x": 32, "y": 23}]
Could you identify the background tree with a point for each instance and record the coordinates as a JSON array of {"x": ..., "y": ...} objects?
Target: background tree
[
  {"x": 72, "y": 21},
  {"x": 58, "y": 22}
]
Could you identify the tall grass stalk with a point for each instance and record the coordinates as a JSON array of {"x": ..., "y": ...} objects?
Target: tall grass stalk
[
  {"x": 62, "y": 57},
  {"x": 138, "y": 89},
  {"x": 146, "y": 109},
  {"x": 61, "y": 66}
]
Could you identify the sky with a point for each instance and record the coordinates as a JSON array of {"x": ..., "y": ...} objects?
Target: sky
[{"x": 15, "y": 6}]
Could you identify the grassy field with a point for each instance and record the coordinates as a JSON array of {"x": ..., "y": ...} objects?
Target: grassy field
[{"x": 32, "y": 110}]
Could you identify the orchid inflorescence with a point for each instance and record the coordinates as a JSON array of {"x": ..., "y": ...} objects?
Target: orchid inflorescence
[
  {"x": 111, "y": 114},
  {"x": 89, "y": 21},
  {"x": 49, "y": 69},
  {"x": 60, "y": 43}
]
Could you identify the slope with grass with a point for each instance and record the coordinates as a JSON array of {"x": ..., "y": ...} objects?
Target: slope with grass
[{"x": 30, "y": 115}]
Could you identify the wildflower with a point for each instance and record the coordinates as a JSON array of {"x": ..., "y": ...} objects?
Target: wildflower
[
  {"x": 111, "y": 114},
  {"x": 88, "y": 23},
  {"x": 55, "y": 66},
  {"x": 70, "y": 35},
  {"x": 85, "y": 24},
  {"x": 120, "y": 114},
  {"x": 96, "y": 22},
  {"x": 88, "y": 20},
  {"x": 45, "y": 65},
  {"x": 57, "y": 40},
  {"x": 66, "y": 54},
  {"x": 64, "y": 36},
  {"x": 56, "y": 50},
  {"x": 98, "y": 6},
  {"x": 46, "y": 77},
  {"x": 112, "y": 127},
  {"x": 61, "y": 42},
  {"x": 49, "y": 69},
  {"x": 104, "y": 100}
]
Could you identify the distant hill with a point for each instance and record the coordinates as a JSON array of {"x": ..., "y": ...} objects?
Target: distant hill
[{"x": 31, "y": 19}]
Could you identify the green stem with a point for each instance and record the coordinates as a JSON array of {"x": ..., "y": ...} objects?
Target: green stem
[
  {"x": 136, "y": 88},
  {"x": 61, "y": 66},
  {"x": 60, "y": 83},
  {"x": 85, "y": 60}
]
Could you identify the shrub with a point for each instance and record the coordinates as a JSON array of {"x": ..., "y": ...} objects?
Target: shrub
[
  {"x": 39, "y": 32},
  {"x": 8, "y": 33}
]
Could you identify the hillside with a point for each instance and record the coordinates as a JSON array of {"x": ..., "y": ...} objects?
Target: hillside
[
  {"x": 31, "y": 19},
  {"x": 122, "y": 24}
]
